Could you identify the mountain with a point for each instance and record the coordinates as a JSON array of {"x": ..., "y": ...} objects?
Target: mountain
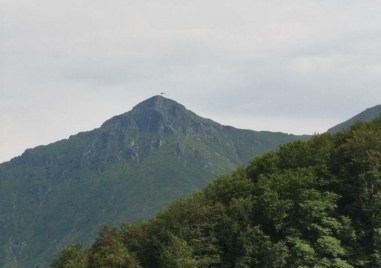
[
  {"x": 307, "y": 204},
  {"x": 365, "y": 116},
  {"x": 126, "y": 170}
]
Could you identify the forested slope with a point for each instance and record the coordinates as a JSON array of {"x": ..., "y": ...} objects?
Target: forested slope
[{"x": 307, "y": 204}]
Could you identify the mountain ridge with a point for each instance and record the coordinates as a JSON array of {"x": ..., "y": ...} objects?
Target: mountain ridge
[
  {"x": 365, "y": 116},
  {"x": 307, "y": 204},
  {"x": 125, "y": 170}
]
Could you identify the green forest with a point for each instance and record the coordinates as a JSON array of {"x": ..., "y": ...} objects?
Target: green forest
[{"x": 307, "y": 204}]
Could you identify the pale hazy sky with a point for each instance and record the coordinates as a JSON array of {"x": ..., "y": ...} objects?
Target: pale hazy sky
[{"x": 297, "y": 66}]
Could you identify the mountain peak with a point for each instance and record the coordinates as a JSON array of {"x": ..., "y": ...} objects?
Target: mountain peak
[
  {"x": 153, "y": 114},
  {"x": 157, "y": 102},
  {"x": 134, "y": 164}
]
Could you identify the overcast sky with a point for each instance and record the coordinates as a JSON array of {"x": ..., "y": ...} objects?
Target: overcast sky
[{"x": 297, "y": 66}]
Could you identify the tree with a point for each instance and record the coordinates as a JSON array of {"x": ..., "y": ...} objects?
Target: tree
[
  {"x": 177, "y": 254},
  {"x": 70, "y": 257},
  {"x": 109, "y": 252}
]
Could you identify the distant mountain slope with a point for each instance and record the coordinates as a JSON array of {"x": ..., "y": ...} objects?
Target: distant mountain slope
[
  {"x": 126, "y": 170},
  {"x": 365, "y": 116}
]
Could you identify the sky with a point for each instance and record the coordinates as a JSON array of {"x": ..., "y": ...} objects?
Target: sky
[{"x": 297, "y": 66}]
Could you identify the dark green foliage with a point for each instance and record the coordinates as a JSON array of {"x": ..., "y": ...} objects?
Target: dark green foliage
[
  {"x": 177, "y": 254},
  {"x": 109, "y": 251},
  {"x": 308, "y": 204}
]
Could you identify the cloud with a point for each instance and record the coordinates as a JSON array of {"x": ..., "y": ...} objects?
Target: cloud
[{"x": 67, "y": 66}]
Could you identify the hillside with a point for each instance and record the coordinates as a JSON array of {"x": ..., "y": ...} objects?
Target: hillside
[
  {"x": 307, "y": 204},
  {"x": 365, "y": 116},
  {"x": 126, "y": 170}
]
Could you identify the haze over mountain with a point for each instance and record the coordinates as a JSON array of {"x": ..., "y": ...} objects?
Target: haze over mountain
[
  {"x": 365, "y": 116},
  {"x": 126, "y": 170}
]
